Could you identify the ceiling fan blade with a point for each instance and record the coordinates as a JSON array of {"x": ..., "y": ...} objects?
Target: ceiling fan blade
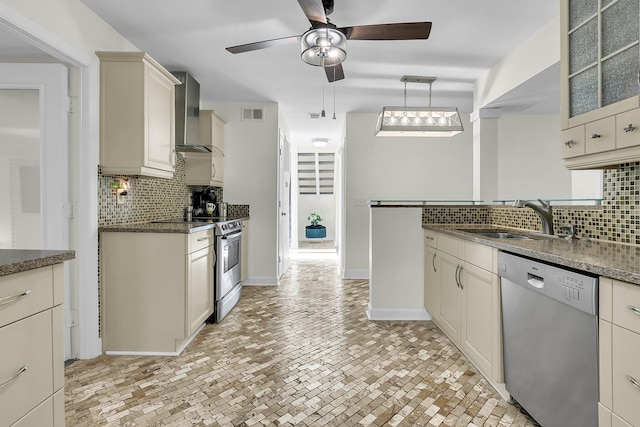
[
  {"x": 405, "y": 31},
  {"x": 263, "y": 44},
  {"x": 334, "y": 73},
  {"x": 314, "y": 11}
]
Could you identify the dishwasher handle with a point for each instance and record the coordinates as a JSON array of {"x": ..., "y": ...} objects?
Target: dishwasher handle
[{"x": 535, "y": 281}]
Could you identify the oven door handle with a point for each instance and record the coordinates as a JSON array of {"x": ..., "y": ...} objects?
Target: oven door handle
[{"x": 231, "y": 236}]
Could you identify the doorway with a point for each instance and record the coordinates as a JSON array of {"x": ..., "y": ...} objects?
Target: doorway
[
  {"x": 315, "y": 191},
  {"x": 34, "y": 161}
]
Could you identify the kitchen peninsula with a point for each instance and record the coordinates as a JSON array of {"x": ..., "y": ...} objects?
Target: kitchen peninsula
[{"x": 31, "y": 336}]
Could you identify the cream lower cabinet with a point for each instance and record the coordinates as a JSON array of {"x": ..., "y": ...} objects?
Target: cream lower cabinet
[
  {"x": 32, "y": 348},
  {"x": 619, "y": 347},
  {"x": 462, "y": 293},
  {"x": 431, "y": 268},
  {"x": 157, "y": 290}
]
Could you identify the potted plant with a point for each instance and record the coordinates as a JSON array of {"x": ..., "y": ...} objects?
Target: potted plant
[{"x": 315, "y": 230}]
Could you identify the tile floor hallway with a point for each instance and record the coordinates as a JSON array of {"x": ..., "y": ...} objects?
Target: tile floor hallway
[{"x": 301, "y": 354}]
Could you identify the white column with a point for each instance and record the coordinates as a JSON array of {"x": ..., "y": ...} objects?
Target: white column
[{"x": 485, "y": 153}]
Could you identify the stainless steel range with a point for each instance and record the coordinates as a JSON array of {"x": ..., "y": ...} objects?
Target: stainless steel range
[{"x": 227, "y": 284}]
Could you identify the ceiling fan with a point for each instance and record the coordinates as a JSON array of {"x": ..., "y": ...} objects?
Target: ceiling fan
[{"x": 324, "y": 44}]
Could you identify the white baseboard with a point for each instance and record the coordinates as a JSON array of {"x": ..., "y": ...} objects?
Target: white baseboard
[
  {"x": 157, "y": 353},
  {"x": 359, "y": 274},
  {"x": 260, "y": 281},
  {"x": 397, "y": 314}
]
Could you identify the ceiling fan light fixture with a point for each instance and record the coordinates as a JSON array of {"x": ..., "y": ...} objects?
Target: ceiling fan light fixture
[
  {"x": 323, "y": 47},
  {"x": 419, "y": 121}
]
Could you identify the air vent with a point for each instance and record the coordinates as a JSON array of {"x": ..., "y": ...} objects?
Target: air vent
[
  {"x": 314, "y": 115},
  {"x": 252, "y": 114}
]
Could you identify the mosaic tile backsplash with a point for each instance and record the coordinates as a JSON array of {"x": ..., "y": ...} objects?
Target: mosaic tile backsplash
[
  {"x": 615, "y": 220},
  {"x": 151, "y": 199}
]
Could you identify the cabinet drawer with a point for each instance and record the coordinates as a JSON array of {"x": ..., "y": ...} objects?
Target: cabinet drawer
[
  {"x": 26, "y": 293},
  {"x": 431, "y": 238},
  {"x": 480, "y": 256},
  {"x": 200, "y": 240},
  {"x": 41, "y": 416},
  {"x": 451, "y": 245},
  {"x": 628, "y": 129},
  {"x": 626, "y": 370},
  {"x": 25, "y": 343},
  {"x": 600, "y": 135},
  {"x": 572, "y": 142},
  {"x": 626, "y": 305}
]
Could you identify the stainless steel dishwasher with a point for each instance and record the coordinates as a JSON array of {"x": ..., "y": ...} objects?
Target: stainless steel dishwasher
[{"x": 550, "y": 341}]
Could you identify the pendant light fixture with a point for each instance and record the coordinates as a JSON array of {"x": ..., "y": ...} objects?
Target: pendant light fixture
[{"x": 418, "y": 121}]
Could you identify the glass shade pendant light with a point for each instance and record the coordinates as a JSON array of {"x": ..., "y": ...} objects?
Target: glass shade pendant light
[
  {"x": 323, "y": 47},
  {"x": 418, "y": 121}
]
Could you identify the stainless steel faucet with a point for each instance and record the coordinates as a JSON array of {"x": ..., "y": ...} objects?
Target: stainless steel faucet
[{"x": 543, "y": 210}]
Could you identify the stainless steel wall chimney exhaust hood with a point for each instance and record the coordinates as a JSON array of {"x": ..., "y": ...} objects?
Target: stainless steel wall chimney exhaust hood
[{"x": 188, "y": 114}]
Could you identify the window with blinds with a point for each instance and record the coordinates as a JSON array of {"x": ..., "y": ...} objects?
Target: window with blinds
[{"x": 316, "y": 173}]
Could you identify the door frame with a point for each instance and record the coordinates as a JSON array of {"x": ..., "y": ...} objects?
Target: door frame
[
  {"x": 284, "y": 205},
  {"x": 83, "y": 295}
]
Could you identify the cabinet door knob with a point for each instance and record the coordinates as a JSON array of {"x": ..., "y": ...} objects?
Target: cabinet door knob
[
  {"x": 629, "y": 128},
  {"x": 569, "y": 143},
  {"x": 595, "y": 136}
]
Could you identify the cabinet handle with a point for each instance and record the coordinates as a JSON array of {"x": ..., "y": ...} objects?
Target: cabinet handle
[
  {"x": 460, "y": 278},
  {"x": 213, "y": 170},
  {"x": 595, "y": 136},
  {"x": 15, "y": 377},
  {"x": 633, "y": 309},
  {"x": 629, "y": 128},
  {"x": 13, "y": 298},
  {"x": 457, "y": 280},
  {"x": 173, "y": 159},
  {"x": 633, "y": 381},
  {"x": 433, "y": 263},
  {"x": 569, "y": 143},
  {"x": 202, "y": 239}
]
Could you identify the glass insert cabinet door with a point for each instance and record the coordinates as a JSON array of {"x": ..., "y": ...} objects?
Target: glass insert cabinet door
[{"x": 603, "y": 53}]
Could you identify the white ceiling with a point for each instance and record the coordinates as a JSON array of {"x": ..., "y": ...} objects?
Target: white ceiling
[{"x": 467, "y": 38}]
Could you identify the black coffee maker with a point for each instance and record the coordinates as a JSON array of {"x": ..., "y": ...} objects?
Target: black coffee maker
[{"x": 200, "y": 200}]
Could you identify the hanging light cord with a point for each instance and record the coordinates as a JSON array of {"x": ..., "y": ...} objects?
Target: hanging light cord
[{"x": 334, "y": 93}]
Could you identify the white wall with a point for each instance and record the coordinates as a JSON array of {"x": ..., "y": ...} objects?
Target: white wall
[
  {"x": 325, "y": 204},
  {"x": 250, "y": 178},
  {"x": 529, "y": 164},
  {"x": 397, "y": 168}
]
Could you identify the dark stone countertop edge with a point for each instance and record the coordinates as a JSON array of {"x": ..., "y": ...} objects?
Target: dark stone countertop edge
[
  {"x": 18, "y": 260},
  {"x": 609, "y": 259},
  {"x": 166, "y": 227}
]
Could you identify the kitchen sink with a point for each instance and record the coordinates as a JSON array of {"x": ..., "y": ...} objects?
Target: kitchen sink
[{"x": 498, "y": 234}]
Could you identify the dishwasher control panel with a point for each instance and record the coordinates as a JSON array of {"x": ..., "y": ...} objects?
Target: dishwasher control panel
[{"x": 566, "y": 286}]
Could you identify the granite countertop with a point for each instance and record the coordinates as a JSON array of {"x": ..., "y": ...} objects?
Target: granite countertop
[
  {"x": 169, "y": 226},
  {"x": 609, "y": 259},
  {"x": 18, "y": 260}
]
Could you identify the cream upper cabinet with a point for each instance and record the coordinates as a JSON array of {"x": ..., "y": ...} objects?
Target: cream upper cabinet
[
  {"x": 619, "y": 346},
  {"x": 462, "y": 293},
  {"x": 208, "y": 168},
  {"x": 600, "y": 61},
  {"x": 137, "y": 115}
]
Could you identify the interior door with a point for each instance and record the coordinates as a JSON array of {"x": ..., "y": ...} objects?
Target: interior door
[
  {"x": 284, "y": 204},
  {"x": 34, "y": 162}
]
